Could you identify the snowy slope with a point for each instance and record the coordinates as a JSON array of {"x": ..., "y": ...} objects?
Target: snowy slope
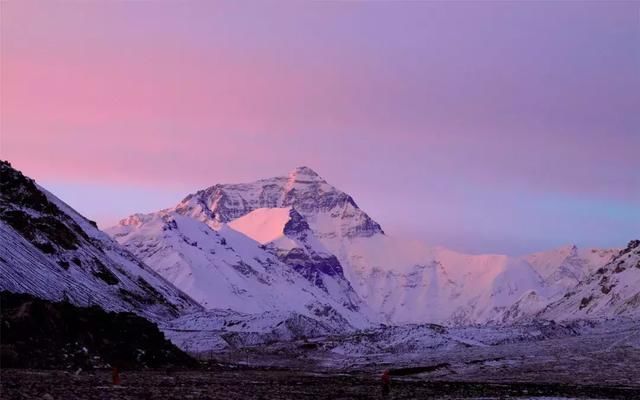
[
  {"x": 49, "y": 250},
  {"x": 410, "y": 282},
  {"x": 402, "y": 281},
  {"x": 295, "y": 244},
  {"x": 611, "y": 291},
  {"x": 225, "y": 269},
  {"x": 263, "y": 225},
  {"x": 566, "y": 266},
  {"x": 321, "y": 233},
  {"x": 561, "y": 270}
]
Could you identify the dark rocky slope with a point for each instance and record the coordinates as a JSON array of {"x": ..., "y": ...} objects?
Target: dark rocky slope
[
  {"x": 37, "y": 333},
  {"x": 50, "y": 251}
]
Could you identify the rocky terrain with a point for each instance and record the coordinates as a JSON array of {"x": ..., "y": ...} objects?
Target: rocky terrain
[
  {"x": 52, "y": 252},
  {"x": 532, "y": 353},
  {"x": 38, "y": 333},
  {"x": 254, "y": 384}
]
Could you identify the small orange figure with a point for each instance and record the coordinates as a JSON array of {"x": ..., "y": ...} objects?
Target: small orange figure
[
  {"x": 386, "y": 382},
  {"x": 115, "y": 375}
]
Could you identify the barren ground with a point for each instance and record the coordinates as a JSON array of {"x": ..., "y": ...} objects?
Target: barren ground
[{"x": 276, "y": 384}]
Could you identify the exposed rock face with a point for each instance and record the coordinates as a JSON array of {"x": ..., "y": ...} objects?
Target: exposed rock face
[
  {"x": 297, "y": 227},
  {"x": 313, "y": 267},
  {"x": 303, "y": 190},
  {"x": 26, "y": 209},
  {"x": 52, "y": 252},
  {"x": 308, "y": 257}
]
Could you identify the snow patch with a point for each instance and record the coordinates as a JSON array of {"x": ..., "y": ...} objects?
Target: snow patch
[{"x": 263, "y": 225}]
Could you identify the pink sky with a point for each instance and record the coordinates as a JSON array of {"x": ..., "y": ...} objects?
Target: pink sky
[{"x": 506, "y": 126}]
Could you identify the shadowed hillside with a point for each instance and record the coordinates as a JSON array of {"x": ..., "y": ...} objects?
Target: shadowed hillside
[{"x": 38, "y": 333}]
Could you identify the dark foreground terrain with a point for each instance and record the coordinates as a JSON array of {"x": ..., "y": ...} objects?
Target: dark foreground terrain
[
  {"x": 256, "y": 384},
  {"x": 38, "y": 333}
]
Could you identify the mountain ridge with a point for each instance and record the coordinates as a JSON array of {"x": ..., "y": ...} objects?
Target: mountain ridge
[
  {"x": 400, "y": 281},
  {"x": 54, "y": 253}
]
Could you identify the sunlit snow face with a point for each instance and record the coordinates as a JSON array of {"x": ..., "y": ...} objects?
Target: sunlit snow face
[{"x": 263, "y": 225}]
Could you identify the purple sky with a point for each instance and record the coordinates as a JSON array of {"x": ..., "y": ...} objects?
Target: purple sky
[{"x": 486, "y": 127}]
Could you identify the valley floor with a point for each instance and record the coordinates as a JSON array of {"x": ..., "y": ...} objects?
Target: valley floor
[
  {"x": 600, "y": 361},
  {"x": 254, "y": 384},
  {"x": 605, "y": 354}
]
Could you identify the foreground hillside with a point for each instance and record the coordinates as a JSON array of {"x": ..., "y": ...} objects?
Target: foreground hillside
[
  {"x": 38, "y": 333},
  {"x": 50, "y": 251}
]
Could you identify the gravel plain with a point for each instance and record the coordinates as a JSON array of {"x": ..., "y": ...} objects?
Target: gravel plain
[{"x": 258, "y": 384}]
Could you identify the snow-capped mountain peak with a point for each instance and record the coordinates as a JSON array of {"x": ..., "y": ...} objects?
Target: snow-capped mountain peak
[
  {"x": 304, "y": 175},
  {"x": 329, "y": 211},
  {"x": 309, "y": 227},
  {"x": 264, "y": 259}
]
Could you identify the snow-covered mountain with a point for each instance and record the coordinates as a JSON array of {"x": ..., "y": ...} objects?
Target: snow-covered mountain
[
  {"x": 253, "y": 249},
  {"x": 329, "y": 212},
  {"x": 300, "y": 223},
  {"x": 561, "y": 270},
  {"x": 412, "y": 283},
  {"x": 50, "y": 251},
  {"x": 564, "y": 267},
  {"x": 285, "y": 259},
  {"x": 612, "y": 290},
  {"x": 223, "y": 268}
]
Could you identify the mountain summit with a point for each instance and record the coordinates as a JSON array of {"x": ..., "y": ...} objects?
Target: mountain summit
[
  {"x": 297, "y": 243},
  {"x": 329, "y": 211},
  {"x": 256, "y": 247},
  {"x": 304, "y": 175}
]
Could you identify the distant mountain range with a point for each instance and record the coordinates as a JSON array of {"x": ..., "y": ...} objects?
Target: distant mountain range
[
  {"x": 350, "y": 264},
  {"x": 291, "y": 257}
]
